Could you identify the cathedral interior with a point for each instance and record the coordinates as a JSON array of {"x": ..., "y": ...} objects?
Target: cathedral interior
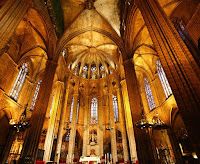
[{"x": 114, "y": 80}]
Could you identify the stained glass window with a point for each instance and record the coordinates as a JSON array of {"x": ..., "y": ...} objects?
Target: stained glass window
[
  {"x": 67, "y": 136},
  {"x": 94, "y": 111},
  {"x": 178, "y": 24},
  {"x": 35, "y": 94},
  {"x": 93, "y": 69},
  {"x": 52, "y": 104},
  {"x": 85, "y": 68},
  {"x": 71, "y": 112},
  {"x": 163, "y": 79},
  {"x": 19, "y": 81},
  {"x": 77, "y": 111},
  {"x": 149, "y": 94},
  {"x": 115, "y": 108},
  {"x": 101, "y": 68}
]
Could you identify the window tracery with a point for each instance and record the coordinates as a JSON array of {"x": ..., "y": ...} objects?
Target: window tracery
[
  {"x": 94, "y": 111},
  {"x": 19, "y": 81},
  {"x": 149, "y": 94},
  {"x": 71, "y": 112},
  {"x": 163, "y": 79},
  {"x": 35, "y": 94},
  {"x": 77, "y": 111}
]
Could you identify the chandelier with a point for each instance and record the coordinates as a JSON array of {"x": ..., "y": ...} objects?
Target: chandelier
[
  {"x": 143, "y": 124},
  {"x": 22, "y": 125},
  {"x": 156, "y": 124}
]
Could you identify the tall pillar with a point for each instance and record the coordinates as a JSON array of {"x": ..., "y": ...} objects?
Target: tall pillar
[
  {"x": 11, "y": 15},
  {"x": 182, "y": 71},
  {"x": 100, "y": 122},
  {"x": 122, "y": 121},
  {"x": 86, "y": 125},
  {"x": 62, "y": 120},
  {"x": 33, "y": 134},
  {"x": 112, "y": 124},
  {"x": 132, "y": 97},
  {"x": 73, "y": 126},
  {"x": 11, "y": 137},
  {"x": 129, "y": 123},
  {"x": 52, "y": 123}
]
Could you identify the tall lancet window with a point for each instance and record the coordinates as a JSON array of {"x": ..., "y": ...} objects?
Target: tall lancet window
[
  {"x": 94, "y": 111},
  {"x": 71, "y": 112},
  {"x": 163, "y": 79},
  {"x": 78, "y": 104},
  {"x": 149, "y": 94},
  {"x": 19, "y": 81},
  {"x": 52, "y": 104},
  {"x": 35, "y": 94},
  {"x": 115, "y": 108}
]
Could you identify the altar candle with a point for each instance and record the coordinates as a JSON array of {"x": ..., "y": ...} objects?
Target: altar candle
[
  {"x": 105, "y": 157},
  {"x": 67, "y": 156},
  {"x": 73, "y": 156},
  {"x": 110, "y": 157}
]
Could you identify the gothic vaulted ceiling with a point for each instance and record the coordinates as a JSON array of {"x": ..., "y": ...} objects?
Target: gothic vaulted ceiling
[{"x": 89, "y": 26}]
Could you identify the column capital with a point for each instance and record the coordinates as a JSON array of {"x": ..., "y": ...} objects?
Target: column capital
[
  {"x": 60, "y": 83},
  {"x": 123, "y": 81}
]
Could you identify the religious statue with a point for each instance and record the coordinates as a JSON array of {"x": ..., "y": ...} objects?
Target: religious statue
[{"x": 93, "y": 137}]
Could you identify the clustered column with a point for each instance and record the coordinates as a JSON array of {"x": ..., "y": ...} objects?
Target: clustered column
[
  {"x": 52, "y": 122},
  {"x": 86, "y": 125},
  {"x": 73, "y": 126},
  {"x": 100, "y": 122},
  {"x": 33, "y": 133},
  {"x": 112, "y": 124},
  {"x": 62, "y": 119},
  {"x": 181, "y": 69},
  {"x": 129, "y": 122},
  {"x": 122, "y": 121}
]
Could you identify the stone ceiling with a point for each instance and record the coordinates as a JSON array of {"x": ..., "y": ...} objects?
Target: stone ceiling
[{"x": 90, "y": 48}]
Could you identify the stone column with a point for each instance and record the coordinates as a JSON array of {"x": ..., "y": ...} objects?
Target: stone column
[
  {"x": 52, "y": 122},
  {"x": 122, "y": 121},
  {"x": 73, "y": 126},
  {"x": 132, "y": 104},
  {"x": 129, "y": 123},
  {"x": 11, "y": 15},
  {"x": 62, "y": 120},
  {"x": 33, "y": 133},
  {"x": 11, "y": 137},
  {"x": 86, "y": 125},
  {"x": 112, "y": 124},
  {"x": 100, "y": 122},
  {"x": 181, "y": 69}
]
